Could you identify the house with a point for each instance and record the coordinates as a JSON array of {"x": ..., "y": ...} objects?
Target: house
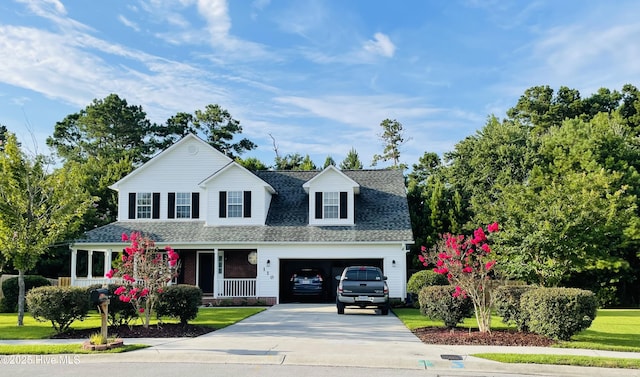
[{"x": 242, "y": 234}]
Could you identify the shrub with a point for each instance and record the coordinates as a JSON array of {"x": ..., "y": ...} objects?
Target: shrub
[
  {"x": 9, "y": 303},
  {"x": 60, "y": 305},
  {"x": 421, "y": 279},
  {"x": 180, "y": 301},
  {"x": 558, "y": 313},
  {"x": 507, "y": 304},
  {"x": 437, "y": 302},
  {"x": 120, "y": 313}
]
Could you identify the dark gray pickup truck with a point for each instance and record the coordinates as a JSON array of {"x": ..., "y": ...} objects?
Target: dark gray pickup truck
[{"x": 362, "y": 286}]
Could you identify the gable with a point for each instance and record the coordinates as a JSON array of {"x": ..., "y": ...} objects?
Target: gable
[{"x": 184, "y": 164}]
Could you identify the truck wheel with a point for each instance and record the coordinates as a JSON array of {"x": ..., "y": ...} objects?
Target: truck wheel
[{"x": 340, "y": 307}]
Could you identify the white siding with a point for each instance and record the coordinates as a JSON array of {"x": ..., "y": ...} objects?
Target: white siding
[
  {"x": 331, "y": 181},
  {"x": 268, "y": 277},
  {"x": 179, "y": 170},
  {"x": 237, "y": 179}
]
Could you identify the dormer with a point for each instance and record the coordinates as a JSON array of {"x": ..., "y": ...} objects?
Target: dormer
[
  {"x": 331, "y": 198},
  {"x": 236, "y": 196}
]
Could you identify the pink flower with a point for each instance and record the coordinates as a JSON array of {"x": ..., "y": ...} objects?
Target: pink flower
[
  {"x": 125, "y": 237},
  {"x": 421, "y": 258},
  {"x": 467, "y": 270},
  {"x": 423, "y": 249},
  {"x": 492, "y": 228},
  {"x": 120, "y": 290},
  {"x": 124, "y": 298},
  {"x": 124, "y": 258},
  {"x": 141, "y": 310},
  {"x": 144, "y": 292},
  {"x": 489, "y": 265},
  {"x": 439, "y": 263},
  {"x": 478, "y": 236},
  {"x": 109, "y": 274},
  {"x": 486, "y": 248}
]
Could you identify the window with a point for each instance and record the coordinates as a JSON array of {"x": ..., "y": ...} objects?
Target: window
[
  {"x": 143, "y": 205},
  {"x": 183, "y": 205},
  {"x": 331, "y": 205},
  {"x": 234, "y": 203}
]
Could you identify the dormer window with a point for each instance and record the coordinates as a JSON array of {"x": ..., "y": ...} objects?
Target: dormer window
[
  {"x": 235, "y": 204},
  {"x": 331, "y": 205}
]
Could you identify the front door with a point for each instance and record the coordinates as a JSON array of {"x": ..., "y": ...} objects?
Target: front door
[{"x": 206, "y": 272}]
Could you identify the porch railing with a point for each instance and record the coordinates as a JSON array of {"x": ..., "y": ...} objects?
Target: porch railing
[
  {"x": 85, "y": 282},
  {"x": 237, "y": 288}
]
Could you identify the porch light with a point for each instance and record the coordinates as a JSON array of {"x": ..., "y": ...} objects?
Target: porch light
[
  {"x": 393, "y": 263},
  {"x": 268, "y": 262}
]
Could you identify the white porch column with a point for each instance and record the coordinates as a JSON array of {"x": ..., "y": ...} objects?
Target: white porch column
[
  {"x": 108, "y": 256},
  {"x": 74, "y": 260},
  {"x": 216, "y": 265},
  {"x": 89, "y": 264}
]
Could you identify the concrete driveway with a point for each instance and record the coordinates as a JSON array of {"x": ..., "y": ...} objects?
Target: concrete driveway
[{"x": 315, "y": 335}]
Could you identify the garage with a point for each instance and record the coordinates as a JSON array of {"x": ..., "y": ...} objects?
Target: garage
[{"x": 327, "y": 268}]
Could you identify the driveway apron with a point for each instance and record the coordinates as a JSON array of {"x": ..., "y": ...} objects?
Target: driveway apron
[{"x": 305, "y": 334}]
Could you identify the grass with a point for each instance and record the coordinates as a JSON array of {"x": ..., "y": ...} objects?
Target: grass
[
  {"x": 612, "y": 330},
  {"x": 32, "y": 329},
  {"x": 54, "y": 349},
  {"x": 583, "y": 361}
]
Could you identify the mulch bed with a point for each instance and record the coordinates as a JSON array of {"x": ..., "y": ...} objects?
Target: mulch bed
[
  {"x": 167, "y": 330},
  {"x": 428, "y": 335},
  {"x": 431, "y": 335}
]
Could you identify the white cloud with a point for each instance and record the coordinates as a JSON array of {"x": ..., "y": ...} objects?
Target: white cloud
[
  {"x": 128, "y": 23},
  {"x": 382, "y": 45}
]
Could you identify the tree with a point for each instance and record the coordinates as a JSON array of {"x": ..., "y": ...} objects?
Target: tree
[
  {"x": 145, "y": 272},
  {"x": 328, "y": 162},
  {"x": 352, "y": 161},
  {"x": 468, "y": 264},
  {"x": 307, "y": 164},
  {"x": 37, "y": 208},
  {"x": 289, "y": 162},
  {"x": 106, "y": 129},
  {"x": 252, "y": 164},
  {"x": 219, "y": 129},
  {"x": 3, "y": 136},
  {"x": 392, "y": 138}
]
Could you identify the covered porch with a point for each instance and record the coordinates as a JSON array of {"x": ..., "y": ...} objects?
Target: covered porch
[{"x": 221, "y": 274}]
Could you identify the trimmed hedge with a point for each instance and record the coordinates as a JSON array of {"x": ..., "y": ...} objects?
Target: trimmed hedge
[
  {"x": 437, "y": 302},
  {"x": 60, "y": 305},
  {"x": 180, "y": 301},
  {"x": 9, "y": 303},
  {"x": 421, "y": 279},
  {"x": 119, "y": 313},
  {"x": 507, "y": 304},
  {"x": 558, "y": 313}
]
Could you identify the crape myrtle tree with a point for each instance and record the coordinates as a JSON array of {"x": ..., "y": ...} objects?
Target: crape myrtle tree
[{"x": 37, "y": 208}]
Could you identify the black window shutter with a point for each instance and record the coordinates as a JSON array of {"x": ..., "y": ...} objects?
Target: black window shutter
[
  {"x": 343, "y": 204},
  {"x": 132, "y": 205},
  {"x": 318, "y": 205},
  {"x": 171, "y": 207},
  {"x": 223, "y": 204},
  {"x": 195, "y": 205},
  {"x": 156, "y": 205},
  {"x": 247, "y": 204}
]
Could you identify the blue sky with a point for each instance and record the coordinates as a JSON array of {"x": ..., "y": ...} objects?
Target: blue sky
[{"x": 319, "y": 76}]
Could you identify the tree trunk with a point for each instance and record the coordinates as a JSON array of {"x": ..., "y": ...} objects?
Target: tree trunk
[{"x": 21, "y": 297}]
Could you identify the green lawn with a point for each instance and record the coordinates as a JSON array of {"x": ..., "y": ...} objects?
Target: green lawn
[
  {"x": 613, "y": 329},
  {"x": 54, "y": 349},
  {"x": 32, "y": 329}
]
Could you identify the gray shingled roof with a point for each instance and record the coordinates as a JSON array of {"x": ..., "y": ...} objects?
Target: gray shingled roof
[{"x": 382, "y": 214}]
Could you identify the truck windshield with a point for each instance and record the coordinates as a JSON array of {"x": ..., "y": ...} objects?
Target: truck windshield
[{"x": 363, "y": 275}]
